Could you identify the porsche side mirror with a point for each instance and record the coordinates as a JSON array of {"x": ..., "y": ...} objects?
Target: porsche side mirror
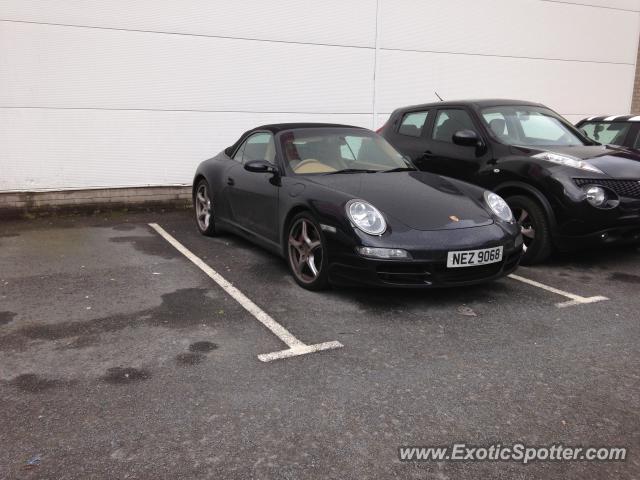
[
  {"x": 467, "y": 138},
  {"x": 260, "y": 166}
]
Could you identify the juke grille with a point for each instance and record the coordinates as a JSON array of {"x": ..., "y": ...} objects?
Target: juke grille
[{"x": 624, "y": 188}]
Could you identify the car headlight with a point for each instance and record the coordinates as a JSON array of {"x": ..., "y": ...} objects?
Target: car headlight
[
  {"x": 366, "y": 217},
  {"x": 498, "y": 206},
  {"x": 567, "y": 161}
]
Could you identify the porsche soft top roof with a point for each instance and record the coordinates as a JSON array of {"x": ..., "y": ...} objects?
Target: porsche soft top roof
[{"x": 279, "y": 127}]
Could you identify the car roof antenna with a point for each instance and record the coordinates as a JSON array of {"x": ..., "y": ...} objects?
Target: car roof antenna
[{"x": 439, "y": 97}]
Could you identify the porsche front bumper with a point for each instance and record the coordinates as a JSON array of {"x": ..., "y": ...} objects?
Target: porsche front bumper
[{"x": 427, "y": 267}]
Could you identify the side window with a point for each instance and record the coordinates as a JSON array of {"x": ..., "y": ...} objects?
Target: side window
[
  {"x": 449, "y": 122},
  {"x": 606, "y": 132},
  {"x": 238, "y": 156},
  {"x": 412, "y": 124},
  {"x": 497, "y": 124},
  {"x": 259, "y": 146},
  {"x": 636, "y": 144}
]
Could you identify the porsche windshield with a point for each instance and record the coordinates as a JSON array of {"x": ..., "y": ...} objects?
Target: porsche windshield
[
  {"x": 529, "y": 126},
  {"x": 324, "y": 151}
]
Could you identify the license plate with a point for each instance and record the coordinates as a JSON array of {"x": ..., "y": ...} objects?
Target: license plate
[{"x": 472, "y": 258}]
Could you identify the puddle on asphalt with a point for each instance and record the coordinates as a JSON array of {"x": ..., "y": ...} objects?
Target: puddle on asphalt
[
  {"x": 624, "y": 277},
  {"x": 149, "y": 245},
  {"x": 32, "y": 383},
  {"x": 124, "y": 227},
  {"x": 202, "y": 347},
  {"x": 189, "y": 358},
  {"x": 124, "y": 375},
  {"x": 180, "y": 309},
  {"x": 6, "y": 317}
]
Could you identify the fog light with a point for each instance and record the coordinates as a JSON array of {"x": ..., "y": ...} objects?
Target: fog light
[
  {"x": 596, "y": 196},
  {"x": 382, "y": 252}
]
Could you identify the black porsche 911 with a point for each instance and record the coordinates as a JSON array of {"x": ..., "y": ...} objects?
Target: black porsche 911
[{"x": 342, "y": 206}]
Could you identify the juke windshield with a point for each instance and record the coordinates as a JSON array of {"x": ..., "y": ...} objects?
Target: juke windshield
[{"x": 529, "y": 126}]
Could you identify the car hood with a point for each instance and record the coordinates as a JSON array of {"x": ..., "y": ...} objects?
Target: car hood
[
  {"x": 613, "y": 161},
  {"x": 419, "y": 200}
]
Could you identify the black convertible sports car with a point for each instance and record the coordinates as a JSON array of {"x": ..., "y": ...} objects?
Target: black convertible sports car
[{"x": 344, "y": 207}]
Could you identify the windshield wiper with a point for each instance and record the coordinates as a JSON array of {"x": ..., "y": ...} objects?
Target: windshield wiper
[
  {"x": 352, "y": 170},
  {"x": 399, "y": 169}
]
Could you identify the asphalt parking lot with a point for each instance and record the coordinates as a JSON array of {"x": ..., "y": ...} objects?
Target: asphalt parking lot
[{"x": 121, "y": 358}]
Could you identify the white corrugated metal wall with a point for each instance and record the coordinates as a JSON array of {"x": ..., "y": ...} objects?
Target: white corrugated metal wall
[{"x": 107, "y": 93}]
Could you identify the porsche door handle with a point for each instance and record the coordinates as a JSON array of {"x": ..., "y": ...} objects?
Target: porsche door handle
[
  {"x": 427, "y": 154},
  {"x": 230, "y": 181}
]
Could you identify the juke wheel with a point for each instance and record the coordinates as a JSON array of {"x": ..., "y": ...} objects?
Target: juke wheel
[
  {"x": 534, "y": 226},
  {"x": 203, "y": 208},
  {"x": 306, "y": 252}
]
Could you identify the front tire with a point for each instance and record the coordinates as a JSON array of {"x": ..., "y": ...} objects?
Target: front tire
[
  {"x": 534, "y": 226},
  {"x": 203, "y": 209},
  {"x": 307, "y": 252}
]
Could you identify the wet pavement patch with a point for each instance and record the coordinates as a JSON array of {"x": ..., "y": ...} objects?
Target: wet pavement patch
[
  {"x": 184, "y": 308},
  {"x": 32, "y": 383},
  {"x": 202, "y": 347},
  {"x": 6, "y": 317},
  {"x": 82, "y": 341},
  {"x": 124, "y": 227},
  {"x": 124, "y": 375},
  {"x": 624, "y": 277},
  {"x": 189, "y": 358},
  {"x": 180, "y": 309},
  {"x": 150, "y": 245}
]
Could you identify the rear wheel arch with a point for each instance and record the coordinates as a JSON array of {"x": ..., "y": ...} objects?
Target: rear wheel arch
[
  {"x": 295, "y": 210},
  {"x": 196, "y": 181}
]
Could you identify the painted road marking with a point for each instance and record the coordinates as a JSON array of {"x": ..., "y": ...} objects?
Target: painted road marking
[
  {"x": 296, "y": 347},
  {"x": 574, "y": 299}
]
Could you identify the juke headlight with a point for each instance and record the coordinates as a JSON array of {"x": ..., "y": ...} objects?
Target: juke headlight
[
  {"x": 498, "y": 206},
  {"x": 366, "y": 217},
  {"x": 567, "y": 161}
]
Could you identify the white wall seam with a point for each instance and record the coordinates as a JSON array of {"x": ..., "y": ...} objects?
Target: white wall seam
[
  {"x": 579, "y": 4},
  {"x": 376, "y": 47},
  {"x": 551, "y": 59},
  {"x": 181, "y": 110},
  {"x": 374, "y": 114},
  {"x": 186, "y": 34}
]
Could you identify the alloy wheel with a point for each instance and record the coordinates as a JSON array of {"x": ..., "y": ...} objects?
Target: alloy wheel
[
  {"x": 305, "y": 250},
  {"x": 203, "y": 207},
  {"x": 527, "y": 228}
]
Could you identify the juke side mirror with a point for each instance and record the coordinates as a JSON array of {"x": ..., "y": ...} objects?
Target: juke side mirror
[{"x": 467, "y": 138}]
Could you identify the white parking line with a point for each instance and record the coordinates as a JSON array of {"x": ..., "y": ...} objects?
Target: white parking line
[
  {"x": 574, "y": 299},
  {"x": 296, "y": 347}
]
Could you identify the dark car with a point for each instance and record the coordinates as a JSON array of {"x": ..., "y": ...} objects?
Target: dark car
[
  {"x": 621, "y": 130},
  {"x": 343, "y": 206},
  {"x": 565, "y": 190}
]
